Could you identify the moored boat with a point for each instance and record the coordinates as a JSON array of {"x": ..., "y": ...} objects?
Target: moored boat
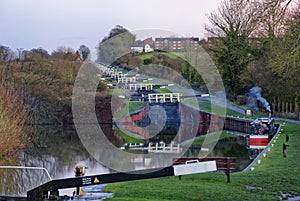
[{"x": 261, "y": 132}]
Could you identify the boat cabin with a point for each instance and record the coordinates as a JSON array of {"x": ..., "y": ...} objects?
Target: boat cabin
[{"x": 262, "y": 126}]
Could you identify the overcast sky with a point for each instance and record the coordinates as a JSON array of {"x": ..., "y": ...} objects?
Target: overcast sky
[{"x": 51, "y": 23}]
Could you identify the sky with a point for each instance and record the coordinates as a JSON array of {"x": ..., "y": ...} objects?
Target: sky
[{"x": 49, "y": 24}]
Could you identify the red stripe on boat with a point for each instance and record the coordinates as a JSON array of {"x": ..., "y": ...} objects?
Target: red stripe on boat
[{"x": 259, "y": 141}]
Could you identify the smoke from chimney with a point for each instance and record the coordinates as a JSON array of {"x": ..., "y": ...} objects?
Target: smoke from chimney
[{"x": 255, "y": 92}]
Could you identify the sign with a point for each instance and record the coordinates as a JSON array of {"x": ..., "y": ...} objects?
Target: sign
[
  {"x": 193, "y": 168},
  {"x": 248, "y": 112}
]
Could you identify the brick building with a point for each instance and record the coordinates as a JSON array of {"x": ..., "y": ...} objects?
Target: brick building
[{"x": 176, "y": 43}]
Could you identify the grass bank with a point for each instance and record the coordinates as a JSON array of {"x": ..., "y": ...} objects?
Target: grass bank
[
  {"x": 275, "y": 175},
  {"x": 129, "y": 107},
  {"x": 128, "y": 138}
]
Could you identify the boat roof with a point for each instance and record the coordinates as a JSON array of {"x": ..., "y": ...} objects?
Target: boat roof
[{"x": 262, "y": 119}]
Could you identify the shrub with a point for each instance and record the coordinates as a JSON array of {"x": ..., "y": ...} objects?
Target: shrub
[{"x": 14, "y": 131}]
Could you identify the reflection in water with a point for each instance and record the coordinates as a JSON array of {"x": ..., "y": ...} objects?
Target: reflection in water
[
  {"x": 57, "y": 150},
  {"x": 93, "y": 193},
  {"x": 229, "y": 147},
  {"x": 182, "y": 124}
]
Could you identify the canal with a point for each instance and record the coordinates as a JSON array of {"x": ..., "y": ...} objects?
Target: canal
[{"x": 58, "y": 149}]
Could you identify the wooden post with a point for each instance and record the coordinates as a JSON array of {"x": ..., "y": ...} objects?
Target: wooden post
[{"x": 228, "y": 170}]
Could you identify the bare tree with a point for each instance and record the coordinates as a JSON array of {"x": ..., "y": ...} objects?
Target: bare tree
[
  {"x": 231, "y": 27},
  {"x": 245, "y": 32},
  {"x": 63, "y": 52},
  {"x": 273, "y": 17},
  {"x": 250, "y": 18},
  {"x": 234, "y": 16}
]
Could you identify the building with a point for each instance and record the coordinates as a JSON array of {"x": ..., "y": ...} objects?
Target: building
[
  {"x": 78, "y": 57},
  {"x": 176, "y": 43},
  {"x": 145, "y": 46},
  {"x": 148, "y": 45},
  {"x": 137, "y": 47}
]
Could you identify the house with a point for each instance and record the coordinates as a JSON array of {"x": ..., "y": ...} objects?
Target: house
[
  {"x": 78, "y": 57},
  {"x": 137, "y": 48},
  {"x": 148, "y": 45},
  {"x": 145, "y": 46}
]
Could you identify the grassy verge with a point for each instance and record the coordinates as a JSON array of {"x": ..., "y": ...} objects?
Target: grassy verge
[
  {"x": 172, "y": 55},
  {"x": 199, "y": 141},
  {"x": 115, "y": 92},
  {"x": 129, "y": 139},
  {"x": 205, "y": 105},
  {"x": 130, "y": 107},
  {"x": 274, "y": 175},
  {"x": 164, "y": 90}
]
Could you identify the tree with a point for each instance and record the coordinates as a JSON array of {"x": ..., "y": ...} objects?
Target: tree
[
  {"x": 115, "y": 45},
  {"x": 84, "y": 52},
  {"x": 231, "y": 27},
  {"x": 6, "y": 58},
  {"x": 245, "y": 32},
  {"x": 35, "y": 53},
  {"x": 6, "y": 54},
  {"x": 284, "y": 60},
  {"x": 272, "y": 18},
  {"x": 65, "y": 53}
]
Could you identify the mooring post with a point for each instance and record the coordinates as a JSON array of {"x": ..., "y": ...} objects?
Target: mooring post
[{"x": 284, "y": 150}]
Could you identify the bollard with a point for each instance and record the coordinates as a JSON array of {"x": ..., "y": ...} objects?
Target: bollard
[
  {"x": 79, "y": 172},
  {"x": 287, "y": 139},
  {"x": 284, "y": 150}
]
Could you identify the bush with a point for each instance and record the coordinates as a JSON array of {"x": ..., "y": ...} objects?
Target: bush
[{"x": 14, "y": 116}]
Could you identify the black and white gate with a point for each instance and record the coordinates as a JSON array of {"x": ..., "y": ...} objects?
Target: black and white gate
[{"x": 41, "y": 193}]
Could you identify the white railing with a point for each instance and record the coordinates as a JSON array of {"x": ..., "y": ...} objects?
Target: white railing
[
  {"x": 126, "y": 80},
  {"x": 140, "y": 86},
  {"x": 162, "y": 98},
  {"x": 165, "y": 148},
  {"x": 25, "y": 167}
]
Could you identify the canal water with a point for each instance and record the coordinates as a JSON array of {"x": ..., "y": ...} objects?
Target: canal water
[{"x": 59, "y": 149}]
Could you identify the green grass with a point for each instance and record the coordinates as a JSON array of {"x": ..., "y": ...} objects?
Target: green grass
[
  {"x": 130, "y": 107},
  {"x": 275, "y": 174},
  {"x": 164, "y": 90},
  {"x": 115, "y": 92},
  {"x": 146, "y": 56},
  {"x": 129, "y": 139},
  {"x": 209, "y": 186},
  {"x": 205, "y": 105},
  {"x": 199, "y": 141},
  {"x": 172, "y": 55}
]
